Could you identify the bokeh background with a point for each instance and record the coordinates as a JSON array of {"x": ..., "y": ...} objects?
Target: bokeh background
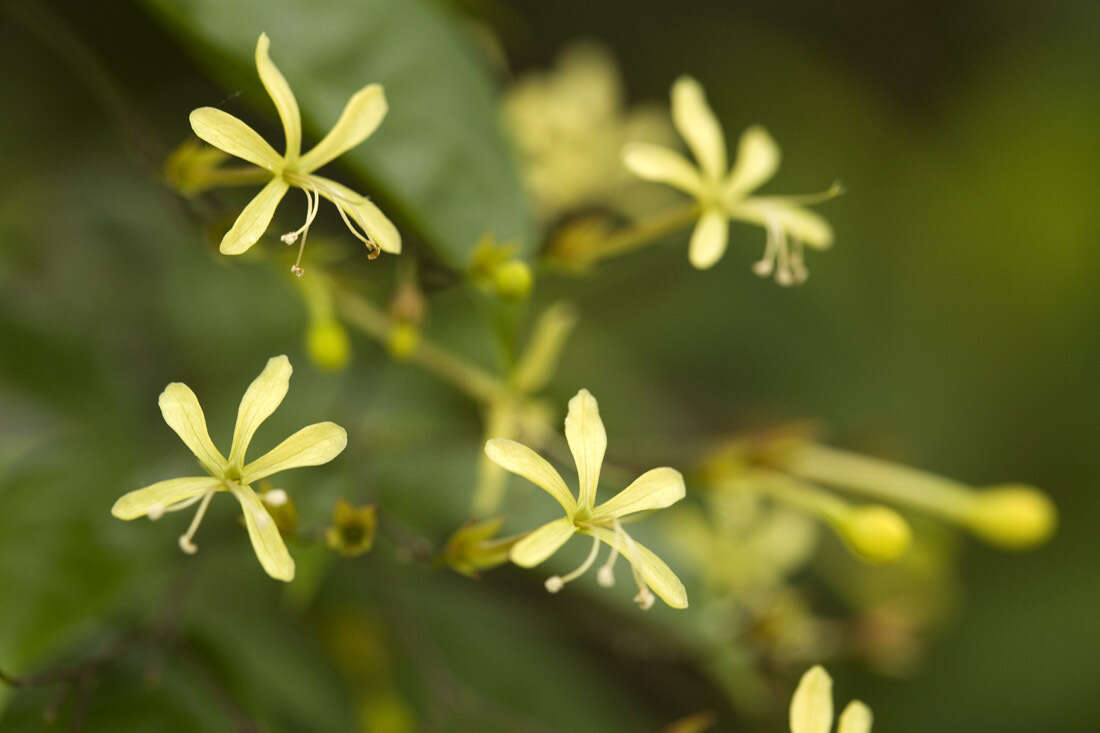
[{"x": 953, "y": 326}]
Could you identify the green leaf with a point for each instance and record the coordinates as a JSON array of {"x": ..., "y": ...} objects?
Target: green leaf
[{"x": 439, "y": 163}]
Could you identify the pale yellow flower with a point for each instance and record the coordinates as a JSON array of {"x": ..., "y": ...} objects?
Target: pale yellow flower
[
  {"x": 723, "y": 192},
  {"x": 812, "y": 707},
  {"x": 311, "y": 446},
  {"x": 654, "y": 489},
  {"x": 361, "y": 116}
]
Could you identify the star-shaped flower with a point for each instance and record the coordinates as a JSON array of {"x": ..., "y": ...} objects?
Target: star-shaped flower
[
  {"x": 654, "y": 489},
  {"x": 361, "y": 116},
  {"x": 311, "y": 446},
  {"x": 723, "y": 193},
  {"x": 812, "y": 707}
]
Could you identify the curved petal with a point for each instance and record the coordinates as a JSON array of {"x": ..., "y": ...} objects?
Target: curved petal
[
  {"x": 657, "y": 163},
  {"x": 313, "y": 445},
  {"x": 279, "y": 91},
  {"x": 658, "y": 576},
  {"x": 697, "y": 125},
  {"x": 654, "y": 489},
  {"x": 182, "y": 412},
  {"x": 856, "y": 718},
  {"x": 260, "y": 400},
  {"x": 522, "y": 461},
  {"x": 266, "y": 540},
  {"x": 157, "y": 497},
  {"x": 226, "y": 132},
  {"x": 709, "y": 240},
  {"x": 254, "y": 220},
  {"x": 542, "y": 543},
  {"x": 542, "y": 353},
  {"x": 587, "y": 440},
  {"x": 361, "y": 116},
  {"x": 799, "y": 223},
  {"x": 368, "y": 216},
  {"x": 757, "y": 161},
  {"x": 812, "y": 703}
]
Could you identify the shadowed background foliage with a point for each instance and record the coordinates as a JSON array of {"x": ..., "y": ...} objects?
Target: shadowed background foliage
[{"x": 952, "y": 326}]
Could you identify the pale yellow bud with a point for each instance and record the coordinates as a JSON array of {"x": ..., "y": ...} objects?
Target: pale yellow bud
[
  {"x": 877, "y": 534},
  {"x": 403, "y": 341},
  {"x": 512, "y": 280},
  {"x": 1013, "y": 516},
  {"x": 328, "y": 345}
]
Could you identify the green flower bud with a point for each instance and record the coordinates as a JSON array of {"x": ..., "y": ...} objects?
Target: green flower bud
[
  {"x": 352, "y": 531},
  {"x": 328, "y": 345},
  {"x": 403, "y": 341},
  {"x": 877, "y": 534},
  {"x": 1013, "y": 516},
  {"x": 512, "y": 280}
]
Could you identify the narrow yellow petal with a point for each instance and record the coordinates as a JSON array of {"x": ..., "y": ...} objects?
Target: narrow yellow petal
[
  {"x": 709, "y": 240},
  {"x": 812, "y": 703},
  {"x": 587, "y": 441},
  {"x": 226, "y": 132},
  {"x": 182, "y": 412},
  {"x": 361, "y": 116},
  {"x": 542, "y": 543},
  {"x": 254, "y": 220},
  {"x": 313, "y": 445},
  {"x": 543, "y": 351},
  {"x": 159, "y": 496},
  {"x": 657, "y": 163},
  {"x": 266, "y": 540},
  {"x": 856, "y": 718},
  {"x": 522, "y": 461},
  {"x": 757, "y": 161},
  {"x": 260, "y": 400},
  {"x": 656, "y": 574},
  {"x": 798, "y": 222},
  {"x": 279, "y": 91},
  {"x": 654, "y": 489},
  {"x": 697, "y": 125},
  {"x": 368, "y": 216}
]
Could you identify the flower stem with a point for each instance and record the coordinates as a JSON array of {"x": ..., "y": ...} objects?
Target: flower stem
[
  {"x": 641, "y": 234},
  {"x": 466, "y": 377}
]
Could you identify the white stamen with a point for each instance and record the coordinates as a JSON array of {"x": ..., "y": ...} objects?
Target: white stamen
[
  {"x": 645, "y": 599},
  {"x": 185, "y": 540},
  {"x": 275, "y": 497},
  {"x": 554, "y": 583},
  {"x": 155, "y": 512},
  {"x": 605, "y": 576}
]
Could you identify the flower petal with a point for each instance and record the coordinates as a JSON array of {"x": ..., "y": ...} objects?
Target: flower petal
[
  {"x": 313, "y": 445},
  {"x": 162, "y": 494},
  {"x": 587, "y": 441},
  {"x": 279, "y": 91},
  {"x": 262, "y": 530},
  {"x": 654, "y": 489},
  {"x": 226, "y": 132},
  {"x": 543, "y": 351},
  {"x": 182, "y": 412},
  {"x": 709, "y": 240},
  {"x": 799, "y": 223},
  {"x": 856, "y": 718},
  {"x": 657, "y": 163},
  {"x": 542, "y": 543},
  {"x": 656, "y": 574},
  {"x": 522, "y": 461},
  {"x": 757, "y": 161},
  {"x": 260, "y": 400},
  {"x": 254, "y": 220},
  {"x": 361, "y": 116},
  {"x": 812, "y": 703},
  {"x": 368, "y": 216},
  {"x": 697, "y": 125}
]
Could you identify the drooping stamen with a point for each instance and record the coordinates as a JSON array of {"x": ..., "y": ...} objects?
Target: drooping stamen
[
  {"x": 185, "y": 540},
  {"x": 798, "y": 262},
  {"x": 788, "y": 265},
  {"x": 644, "y": 598},
  {"x": 605, "y": 576},
  {"x": 766, "y": 264},
  {"x": 159, "y": 510},
  {"x": 556, "y": 582},
  {"x": 313, "y": 205},
  {"x": 275, "y": 497}
]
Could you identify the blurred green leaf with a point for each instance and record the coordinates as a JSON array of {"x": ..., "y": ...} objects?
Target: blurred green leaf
[{"x": 439, "y": 161}]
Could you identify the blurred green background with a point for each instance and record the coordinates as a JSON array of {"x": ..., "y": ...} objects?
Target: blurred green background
[{"x": 952, "y": 326}]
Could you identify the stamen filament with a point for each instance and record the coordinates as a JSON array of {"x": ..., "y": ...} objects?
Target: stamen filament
[
  {"x": 606, "y": 574},
  {"x": 185, "y": 540},
  {"x": 556, "y": 582}
]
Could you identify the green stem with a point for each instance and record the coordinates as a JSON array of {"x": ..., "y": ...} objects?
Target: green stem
[
  {"x": 802, "y": 496},
  {"x": 466, "y": 377},
  {"x": 880, "y": 479},
  {"x": 643, "y": 233}
]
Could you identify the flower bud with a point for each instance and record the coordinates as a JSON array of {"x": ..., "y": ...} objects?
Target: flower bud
[
  {"x": 403, "y": 341},
  {"x": 474, "y": 548},
  {"x": 512, "y": 280},
  {"x": 877, "y": 534},
  {"x": 352, "y": 530},
  {"x": 1013, "y": 516},
  {"x": 328, "y": 345}
]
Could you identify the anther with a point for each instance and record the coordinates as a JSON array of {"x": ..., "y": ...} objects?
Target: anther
[
  {"x": 645, "y": 599},
  {"x": 554, "y": 583},
  {"x": 275, "y": 497},
  {"x": 155, "y": 512}
]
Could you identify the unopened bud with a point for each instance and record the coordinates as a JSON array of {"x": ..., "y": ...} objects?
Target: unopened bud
[
  {"x": 328, "y": 345},
  {"x": 403, "y": 341},
  {"x": 512, "y": 280},
  {"x": 1014, "y": 517},
  {"x": 877, "y": 534}
]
